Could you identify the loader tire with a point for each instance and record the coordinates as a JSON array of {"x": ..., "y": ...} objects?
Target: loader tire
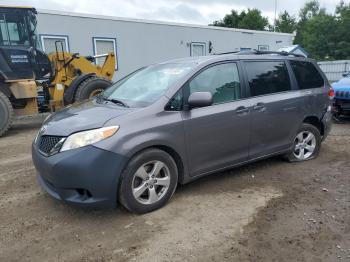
[
  {"x": 6, "y": 114},
  {"x": 90, "y": 88}
]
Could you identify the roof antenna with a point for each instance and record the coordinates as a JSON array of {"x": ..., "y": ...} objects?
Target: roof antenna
[{"x": 274, "y": 22}]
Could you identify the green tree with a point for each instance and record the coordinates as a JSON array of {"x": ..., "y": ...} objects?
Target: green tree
[
  {"x": 251, "y": 19},
  {"x": 319, "y": 36},
  {"x": 343, "y": 31},
  {"x": 230, "y": 20},
  {"x": 310, "y": 9},
  {"x": 285, "y": 23},
  {"x": 325, "y": 36}
]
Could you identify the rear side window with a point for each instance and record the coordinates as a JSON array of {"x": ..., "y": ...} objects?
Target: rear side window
[
  {"x": 267, "y": 77},
  {"x": 221, "y": 80},
  {"x": 306, "y": 75}
]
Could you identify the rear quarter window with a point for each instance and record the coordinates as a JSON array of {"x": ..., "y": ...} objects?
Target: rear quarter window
[{"x": 307, "y": 75}]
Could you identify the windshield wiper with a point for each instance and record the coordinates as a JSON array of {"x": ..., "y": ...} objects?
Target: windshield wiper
[{"x": 115, "y": 101}]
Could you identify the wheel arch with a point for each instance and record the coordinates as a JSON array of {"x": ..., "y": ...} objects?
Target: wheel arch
[
  {"x": 173, "y": 153},
  {"x": 315, "y": 121},
  {"x": 4, "y": 88}
]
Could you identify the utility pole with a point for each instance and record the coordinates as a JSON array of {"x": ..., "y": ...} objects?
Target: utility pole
[{"x": 274, "y": 21}]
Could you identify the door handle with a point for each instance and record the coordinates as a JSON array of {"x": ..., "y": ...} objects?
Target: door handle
[
  {"x": 259, "y": 106},
  {"x": 241, "y": 110}
]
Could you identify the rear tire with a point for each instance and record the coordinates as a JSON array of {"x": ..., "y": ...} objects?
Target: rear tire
[
  {"x": 307, "y": 144},
  {"x": 90, "y": 88},
  {"x": 6, "y": 113},
  {"x": 148, "y": 181}
]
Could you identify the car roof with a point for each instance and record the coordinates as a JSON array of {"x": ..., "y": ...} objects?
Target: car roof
[{"x": 235, "y": 56}]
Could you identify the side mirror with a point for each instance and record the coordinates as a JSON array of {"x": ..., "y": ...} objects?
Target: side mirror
[
  {"x": 345, "y": 74},
  {"x": 200, "y": 99}
]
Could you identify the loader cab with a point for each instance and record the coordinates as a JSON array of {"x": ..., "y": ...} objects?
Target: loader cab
[
  {"x": 18, "y": 27},
  {"x": 21, "y": 55}
]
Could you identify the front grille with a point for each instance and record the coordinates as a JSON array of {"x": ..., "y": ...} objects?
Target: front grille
[
  {"x": 342, "y": 94},
  {"x": 47, "y": 143}
]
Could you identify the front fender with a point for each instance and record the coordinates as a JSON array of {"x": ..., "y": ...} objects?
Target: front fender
[{"x": 148, "y": 127}]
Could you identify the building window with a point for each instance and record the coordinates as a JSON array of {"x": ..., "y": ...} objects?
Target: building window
[
  {"x": 49, "y": 43},
  {"x": 198, "y": 49},
  {"x": 245, "y": 49},
  {"x": 263, "y": 47},
  {"x": 104, "y": 46}
]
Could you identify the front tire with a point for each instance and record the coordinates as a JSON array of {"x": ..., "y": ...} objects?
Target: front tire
[
  {"x": 148, "y": 181},
  {"x": 6, "y": 113},
  {"x": 91, "y": 87},
  {"x": 307, "y": 144}
]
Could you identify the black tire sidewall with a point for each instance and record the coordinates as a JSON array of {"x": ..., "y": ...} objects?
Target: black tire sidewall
[
  {"x": 88, "y": 86},
  {"x": 5, "y": 120},
  {"x": 126, "y": 197},
  {"x": 316, "y": 133}
]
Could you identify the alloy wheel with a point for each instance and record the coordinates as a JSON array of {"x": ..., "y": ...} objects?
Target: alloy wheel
[
  {"x": 151, "y": 182},
  {"x": 305, "y": 145}
]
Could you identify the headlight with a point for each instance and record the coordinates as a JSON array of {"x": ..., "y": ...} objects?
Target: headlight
[{"x": 88, "y": 137}]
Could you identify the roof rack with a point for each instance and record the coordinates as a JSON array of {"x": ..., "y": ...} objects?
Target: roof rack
[
  {"x": 228, "y": 53},
  {"x": 257, "y": 52}
]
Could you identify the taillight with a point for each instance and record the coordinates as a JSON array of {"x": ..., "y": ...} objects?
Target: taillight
[{"x": 331, "y": 93}]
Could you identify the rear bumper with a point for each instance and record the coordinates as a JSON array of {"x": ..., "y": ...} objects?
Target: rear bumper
[
  {"x": 87, "y": 176},
  {"x": 327, "y": 123}
]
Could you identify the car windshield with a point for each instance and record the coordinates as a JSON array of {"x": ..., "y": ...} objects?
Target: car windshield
[{"x": 146, "y": 85}]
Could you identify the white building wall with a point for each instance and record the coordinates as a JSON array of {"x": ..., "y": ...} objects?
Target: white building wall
[{"x": 141, "y": 42}]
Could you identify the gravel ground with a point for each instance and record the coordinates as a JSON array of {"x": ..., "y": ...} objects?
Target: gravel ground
[{"x": 266, "y": 211}]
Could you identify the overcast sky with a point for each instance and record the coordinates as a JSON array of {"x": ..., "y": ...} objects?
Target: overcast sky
[{"x": 187, "y": 11}]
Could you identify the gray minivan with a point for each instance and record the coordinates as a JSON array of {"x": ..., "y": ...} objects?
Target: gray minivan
[{"x": 175, "y": 121}]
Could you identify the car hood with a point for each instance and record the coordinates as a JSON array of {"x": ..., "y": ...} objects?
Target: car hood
[
  {"x": 342, "y": 84},
  {"x": 82, "y": 116}
]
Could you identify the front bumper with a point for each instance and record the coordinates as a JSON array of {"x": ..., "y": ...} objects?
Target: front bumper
[
  {"x": 86, "y": 176},
  {"x": 341, "y": 105}
]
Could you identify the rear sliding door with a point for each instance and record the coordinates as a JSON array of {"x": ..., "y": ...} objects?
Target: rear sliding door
[{"x": 276, "y": 111}]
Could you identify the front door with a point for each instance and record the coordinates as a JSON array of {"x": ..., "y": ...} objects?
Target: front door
[{"x": 217, "y": 136}]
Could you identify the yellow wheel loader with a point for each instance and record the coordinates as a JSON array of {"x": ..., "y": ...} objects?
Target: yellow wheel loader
[{"x": 33, "y": 82}]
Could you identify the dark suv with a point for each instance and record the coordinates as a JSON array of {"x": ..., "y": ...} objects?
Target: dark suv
[{"x": 173, "y": 122}]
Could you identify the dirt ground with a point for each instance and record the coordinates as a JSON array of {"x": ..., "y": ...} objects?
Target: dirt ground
[{"x": 267, "y": 211}]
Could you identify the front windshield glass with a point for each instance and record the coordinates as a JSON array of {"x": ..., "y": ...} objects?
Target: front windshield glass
[
  {"x": 33, "y": 31},
  {"x": 147, "y": 85}
]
